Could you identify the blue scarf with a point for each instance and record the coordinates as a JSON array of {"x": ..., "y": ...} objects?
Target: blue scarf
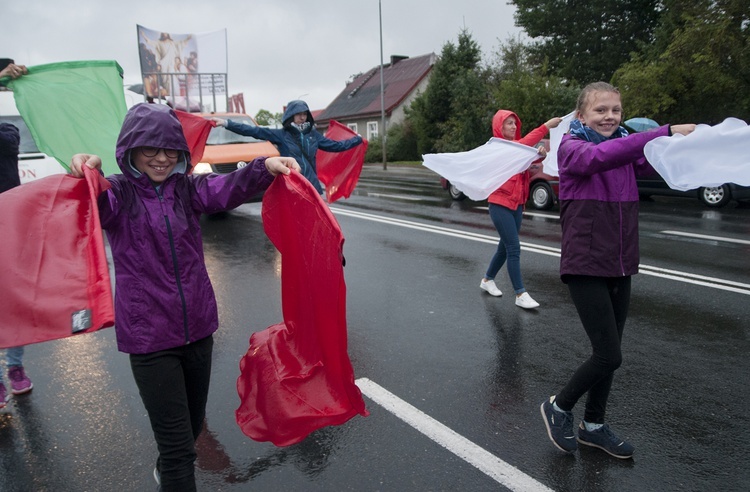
[{"x": 581, "y": 131}]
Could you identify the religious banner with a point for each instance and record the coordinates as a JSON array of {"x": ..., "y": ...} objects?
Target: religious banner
[{"x": 183, "y": 68}]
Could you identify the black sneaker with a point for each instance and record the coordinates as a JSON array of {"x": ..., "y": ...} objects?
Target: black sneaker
[
  {"x": 559, "y": 426},
  {"x": 606, "y": 440}
]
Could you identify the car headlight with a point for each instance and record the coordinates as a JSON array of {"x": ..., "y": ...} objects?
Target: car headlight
[{"x": 202, "y": 168}]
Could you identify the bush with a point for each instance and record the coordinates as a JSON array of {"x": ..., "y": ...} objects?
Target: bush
[
  {"x": 400, "y": 146},
  {"x": 374, "y": 151}
]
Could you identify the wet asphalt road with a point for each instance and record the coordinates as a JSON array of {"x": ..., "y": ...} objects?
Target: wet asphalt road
[{"x": 421, "y": 329}]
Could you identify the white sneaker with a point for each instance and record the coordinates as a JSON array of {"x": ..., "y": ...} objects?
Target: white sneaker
[
  {"x": 490, "y": 287},
  {"x": 525, "y": 301}
]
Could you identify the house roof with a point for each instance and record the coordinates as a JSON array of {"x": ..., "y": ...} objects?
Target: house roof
[{"x": 361, "y": 96}]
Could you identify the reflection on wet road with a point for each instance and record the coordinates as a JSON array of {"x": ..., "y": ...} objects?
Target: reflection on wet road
[{"x": 472, "y": 367}]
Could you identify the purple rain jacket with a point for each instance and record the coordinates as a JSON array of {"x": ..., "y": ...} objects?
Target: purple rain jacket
[
  {"x": 163, "y": 296},
  {"x": 599, "y": 204}
]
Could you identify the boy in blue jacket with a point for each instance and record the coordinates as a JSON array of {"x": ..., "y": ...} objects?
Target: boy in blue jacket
[{"x": 298, "y": 138}]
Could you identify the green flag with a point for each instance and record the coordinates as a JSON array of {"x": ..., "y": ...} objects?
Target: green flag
[{"x": 73, "y": 107}]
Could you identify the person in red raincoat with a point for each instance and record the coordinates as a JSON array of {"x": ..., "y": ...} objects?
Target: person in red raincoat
[{"x": 506, "y": 209}]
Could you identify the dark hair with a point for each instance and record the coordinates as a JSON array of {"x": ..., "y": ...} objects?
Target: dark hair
[
  {"x": 593, "y": 87},
  {"x": 4, "y": 62}
]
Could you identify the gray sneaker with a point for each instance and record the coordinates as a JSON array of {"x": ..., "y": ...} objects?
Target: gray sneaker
[
  {"x": 559, "y": 426},
  {"x": 606, "y": 440}
]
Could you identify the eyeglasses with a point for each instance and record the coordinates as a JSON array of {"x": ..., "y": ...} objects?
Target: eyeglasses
[{"x": 153, "y": 151}]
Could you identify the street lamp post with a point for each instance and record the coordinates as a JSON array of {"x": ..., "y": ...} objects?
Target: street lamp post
[{"x": 382, "y": 90}]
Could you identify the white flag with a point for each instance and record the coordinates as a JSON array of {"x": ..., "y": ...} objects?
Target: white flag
[
  {"x": 479, "y": 172},
  {"x": 710, "y": 156},
  {"x": 555, "y": 137}
]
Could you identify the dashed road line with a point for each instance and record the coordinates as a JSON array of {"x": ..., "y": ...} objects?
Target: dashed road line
[{"x": 676, "y": 275}]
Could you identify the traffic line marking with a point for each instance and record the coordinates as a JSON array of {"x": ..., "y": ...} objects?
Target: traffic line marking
[
  {"x": 703, "y": 236},
  {"x": 500, "y": 471},
  {"x": 689, "y": 278}
]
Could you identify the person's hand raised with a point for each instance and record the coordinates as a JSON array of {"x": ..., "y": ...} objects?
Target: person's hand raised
[
  {"x": 281, "y": 165},
  {"x": 685, "y": 129},
  {"x": 79, "y": 160},
  {"x": 553, "y": 123}
]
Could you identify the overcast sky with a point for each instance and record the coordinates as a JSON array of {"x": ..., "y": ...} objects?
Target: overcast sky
[{"x": 278, "y": 50}]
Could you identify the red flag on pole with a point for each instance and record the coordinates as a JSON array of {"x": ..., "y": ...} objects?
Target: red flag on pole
[
  {"x": 296, "y": 376},
  {"x": 54, "y": 278},
  {"x": 340, "y": 171},
  {"x": 196, "y": 130}
]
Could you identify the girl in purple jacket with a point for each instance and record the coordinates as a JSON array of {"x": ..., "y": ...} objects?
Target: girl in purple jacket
[
  {"x": 165, "y": 309},
  {"x": 599, "y": 218}
]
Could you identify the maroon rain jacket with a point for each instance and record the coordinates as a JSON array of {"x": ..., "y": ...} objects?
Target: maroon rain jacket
[{"x": 163, "y": 296}]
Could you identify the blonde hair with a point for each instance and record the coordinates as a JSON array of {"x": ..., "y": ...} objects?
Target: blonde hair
[{"x": 583, "y": 97}]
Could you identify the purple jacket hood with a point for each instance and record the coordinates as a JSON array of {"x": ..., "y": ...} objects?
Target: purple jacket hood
[{"x": 163, "y": 294}]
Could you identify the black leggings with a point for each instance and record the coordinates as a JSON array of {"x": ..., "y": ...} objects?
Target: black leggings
[
  {"x": 602, "y": 305},
  {"x": 174, "y": 388}
]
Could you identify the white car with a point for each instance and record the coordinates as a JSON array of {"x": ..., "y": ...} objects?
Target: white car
[{"x": 32, "y": 164}]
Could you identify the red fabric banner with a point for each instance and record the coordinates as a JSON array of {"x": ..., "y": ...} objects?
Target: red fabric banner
[
  {"x": 54, "y": 278},
  {"x": 296, "y": 377},
  {"x": 340, "y": 171},
  {"x": 196, "y": 130}
]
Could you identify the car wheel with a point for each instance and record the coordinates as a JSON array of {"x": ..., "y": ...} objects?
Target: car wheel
[
  {"x": 714, "y": 196},
  {"x": 541, "y": 196},
  {"x": 455, "y": 193}
]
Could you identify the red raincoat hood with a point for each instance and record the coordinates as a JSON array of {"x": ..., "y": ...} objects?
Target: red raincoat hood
[{"x": 499, "y": 119}]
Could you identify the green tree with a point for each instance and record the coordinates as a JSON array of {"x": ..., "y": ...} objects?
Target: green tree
[
  {"x": 401, "y": 144},
  {"x": 519, "y": 84},
  {"x": 468, "y": 125},
  {"x": 444, "y": 117},
  {"x": 267, "y": 118},
  {"x": 699, "y": 67},
  {"x": 587, "y": 40}
]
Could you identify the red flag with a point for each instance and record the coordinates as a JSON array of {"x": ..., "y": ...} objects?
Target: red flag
[
  {"x": 340, "y": 170},
  {"x": 54, "y": 278},
  {"x": 196, "y": 130},
  {"x": 296, "y": 376}
]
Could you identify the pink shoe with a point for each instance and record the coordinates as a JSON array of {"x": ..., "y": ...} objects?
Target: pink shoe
[
  {"x": 19, "y": 382},
  {"x": 4, "y": 396}
]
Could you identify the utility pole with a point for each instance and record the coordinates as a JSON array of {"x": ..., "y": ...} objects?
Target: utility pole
[{"x": 382, "y": 89}]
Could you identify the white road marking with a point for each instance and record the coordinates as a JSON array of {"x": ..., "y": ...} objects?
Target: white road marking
[
  {"x": 486, "y": 462},
  {"x": 689, "y": 278},
  {"x": 400, "y": 197},
  {"x": 530, "y": 214},
  {"x": 703, "y": 236}
]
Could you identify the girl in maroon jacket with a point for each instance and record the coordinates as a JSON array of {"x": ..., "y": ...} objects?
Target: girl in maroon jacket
[
  {"x": 506, "y": 209},
  {"x": 599, "y": 218},
  {"x": 165, "y": 307}
]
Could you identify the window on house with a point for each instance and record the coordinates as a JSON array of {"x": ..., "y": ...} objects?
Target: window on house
[
  {"x": 352, "y": 127},
  {"x": 372, "y": 130}
]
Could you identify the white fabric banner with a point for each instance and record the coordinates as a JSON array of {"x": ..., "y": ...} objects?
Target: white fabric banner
[
  {"x": 555, "y": 137},
  {"x": 479, "y": 172},
  {"x": 710, "y": 156}
]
